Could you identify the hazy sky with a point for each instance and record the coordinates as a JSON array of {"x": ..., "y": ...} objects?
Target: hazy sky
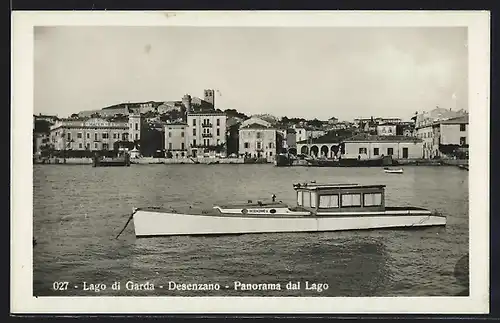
[{"x": 304, "y": 72}]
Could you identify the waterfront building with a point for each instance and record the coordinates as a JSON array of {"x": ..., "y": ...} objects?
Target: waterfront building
[
  {"x": 326, "y": 146},
  {"x": 441, "y": 137},
  {"x": 40, "y": 142},
  {"x": 365, "y": 146},
  {"x": 207, "y": 133},
  {"x": 257, "y": 139},
  {"x": 176, "y": 139},
  {"x": 94, "y": 134}
]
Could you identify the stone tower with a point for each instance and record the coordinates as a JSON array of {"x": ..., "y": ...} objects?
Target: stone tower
[
  {"x": 209, "y": 96},
  {"x": 186, "y": 102}
]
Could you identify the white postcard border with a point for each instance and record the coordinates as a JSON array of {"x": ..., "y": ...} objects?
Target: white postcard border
[{"x": 22, "y": 301}]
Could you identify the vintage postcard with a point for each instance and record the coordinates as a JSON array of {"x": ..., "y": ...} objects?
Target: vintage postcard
[{"x": 250, "y": 162}]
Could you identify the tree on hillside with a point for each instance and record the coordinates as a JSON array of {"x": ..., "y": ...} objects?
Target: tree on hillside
[
  {"x": 42, "y": 126},
  {"x": 235, "y": 114}
]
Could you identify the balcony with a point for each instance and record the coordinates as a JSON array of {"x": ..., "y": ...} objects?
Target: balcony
[
  {"x": 206, "y": 135},
  {"x": 206, "y": 125}
]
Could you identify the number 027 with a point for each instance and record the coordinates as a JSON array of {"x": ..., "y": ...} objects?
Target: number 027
[{"x": 60, "y": 285}]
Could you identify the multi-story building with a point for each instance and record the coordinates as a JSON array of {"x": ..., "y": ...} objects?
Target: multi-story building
[
  {"x": 93, "y": 134},
  {"x": 49, "y": 119},
  {"x": 40, "y": 141},
  {"x": 257, "y": 139},
  {"x": 372, "y": 147},
  {"x": 176, "y": 139},
  {"x": 207, "y": 133},
  {"x": 307, "y": 133},
  {"x": 378, "y": 120},
  {"x": 450, "y": 132},
  {"x": 386, "y": 129}
]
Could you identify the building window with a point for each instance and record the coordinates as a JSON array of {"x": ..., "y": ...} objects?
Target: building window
[
  {"x": 194, "y": 131},
  {"x": 182, "y": 146},
  {"x": 390, "y": 151},
  {"x": 375, "y": 151},
  {"x": 218, "y": 122},
  {"x": 79, "y": 135},
  {"x": 169, "y": 134},
  {"x": 80, "y": 145},
  {"x": 136, "y": 126},
  {"x": 69, "y": 135},
  {"x": 271, "y": 145},
  {"x": 105, "y": 135},
  {"x": 462, "y": 127},
  {"x": 258, "y": 135},
  {"x": 194, "y": 142},
  {"x": 170, "y": 146},
  {"x": 259, "y": 145},
  {"x": 96, "y": 136},
  {"x": 328, "y": 201},
  {"x": 114, "y": 136},
  {"x": 194, "y": 122},
  {"x": 218, "y": 130},
  {"x": 362, "y": 151},
  {"x": 463, "y": 141},
  {"x": 182, "y": 134},
  {"x": 390, "y": 130},
  {"x": 270, "y": 154},
  {"x": 88, "y": 135},
  {"x": 96, "y": 145},
  {"x": 246, "y": 145},
  {"x": 136, "y": 136},
  {"x": 372, "y": 199},
  {"x": 105, "y": 146}
]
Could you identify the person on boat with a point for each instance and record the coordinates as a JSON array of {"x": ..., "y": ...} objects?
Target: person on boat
[{"x": 273, "y": 197}]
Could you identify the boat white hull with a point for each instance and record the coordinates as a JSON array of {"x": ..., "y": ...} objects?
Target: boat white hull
[{"x": 149, "y": 223}]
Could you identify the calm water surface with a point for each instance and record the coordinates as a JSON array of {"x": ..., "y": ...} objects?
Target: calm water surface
[{"x": 79, "y": 210}]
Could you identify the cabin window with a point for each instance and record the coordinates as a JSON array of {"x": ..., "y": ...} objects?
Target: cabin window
[
  {"x": 372, "y": 199},
  {"x": 306, "y": 199},
  {"x": 313, "y": 199},
  {"x": 351, "y": 200},
  {"x": 328, "y": 201},
  {"x": 299, "y": 198}
]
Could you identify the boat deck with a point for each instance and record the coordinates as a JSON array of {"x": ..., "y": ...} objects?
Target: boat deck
[{"x": 300, "y": 211}]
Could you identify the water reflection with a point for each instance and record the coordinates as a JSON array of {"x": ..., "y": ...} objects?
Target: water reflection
[{"x": 79, "y": 210}]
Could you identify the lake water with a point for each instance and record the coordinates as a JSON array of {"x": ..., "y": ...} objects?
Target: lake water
[{"x": 79, "y": 210}]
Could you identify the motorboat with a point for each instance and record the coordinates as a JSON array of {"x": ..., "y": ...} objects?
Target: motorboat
[{"x": 319, "y": 208}]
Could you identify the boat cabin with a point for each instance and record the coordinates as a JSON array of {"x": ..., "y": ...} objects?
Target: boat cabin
[{"x": 319, "y": 198}]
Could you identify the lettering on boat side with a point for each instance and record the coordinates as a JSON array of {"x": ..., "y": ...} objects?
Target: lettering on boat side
[{"x": 258, "y": 211}]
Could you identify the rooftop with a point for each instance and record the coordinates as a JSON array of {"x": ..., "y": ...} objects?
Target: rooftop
[
  {"x": 458, "y": 120},
  {"x": 367, "y": 137},
  {"x": 319, "y": 186}
]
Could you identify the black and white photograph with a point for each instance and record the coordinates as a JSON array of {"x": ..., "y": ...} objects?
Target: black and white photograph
[{"x": 186, "y": 161}]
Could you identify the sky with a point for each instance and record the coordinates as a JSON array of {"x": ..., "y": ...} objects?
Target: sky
[{"x": 312, "y": 72}]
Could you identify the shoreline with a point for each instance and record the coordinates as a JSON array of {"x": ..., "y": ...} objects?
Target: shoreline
[{"x": 463, "y": 164}]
